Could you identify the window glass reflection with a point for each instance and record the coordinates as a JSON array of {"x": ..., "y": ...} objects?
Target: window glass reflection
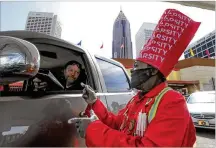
[{"x": 114, "y": 76}]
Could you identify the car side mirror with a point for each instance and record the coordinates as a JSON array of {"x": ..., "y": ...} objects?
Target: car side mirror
[{"x": 19, "y": 60}]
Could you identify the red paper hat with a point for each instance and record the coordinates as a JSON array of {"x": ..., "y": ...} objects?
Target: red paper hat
[{"x": 169, "y": 40}]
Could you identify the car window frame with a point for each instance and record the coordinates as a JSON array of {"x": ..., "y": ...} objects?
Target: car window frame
[
  {"x": 88, "y": 72},
  {"x": 75, "y": 52},
  {"x": 118, "y": 65},
  {"x": 83, "y": 57}
]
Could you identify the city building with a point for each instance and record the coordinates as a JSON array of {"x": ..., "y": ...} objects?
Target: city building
[
  {"x": 44, "y": 22},
  {"x": 143, "y": 35},
  {"x": 122, "y": 45},
  {"x": 203, "y": 48}
]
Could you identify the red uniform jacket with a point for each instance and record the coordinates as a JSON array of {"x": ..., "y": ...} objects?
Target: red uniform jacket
[{"x": 172, "y": 125}]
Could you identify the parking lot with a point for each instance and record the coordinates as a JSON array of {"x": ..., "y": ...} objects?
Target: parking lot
[{"x": 205, "y": 138}]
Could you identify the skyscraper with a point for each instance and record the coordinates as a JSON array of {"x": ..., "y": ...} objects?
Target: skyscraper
[
  {"x": 143, "y": 35},
  {"x": 122, "y": 45},
  {"x": 44, "y": 22}
]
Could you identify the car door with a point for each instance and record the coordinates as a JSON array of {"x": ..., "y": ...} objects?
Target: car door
[
  {"x": 116, "y": 84},
  {"x": 27, "y": 120},
  {"x": 39, "y": 122}
]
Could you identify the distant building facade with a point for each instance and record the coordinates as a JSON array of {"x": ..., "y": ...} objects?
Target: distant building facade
[
  {"x": 189, "y": 75},
  {"x": 143, "y": 35},
  {"x": 203, "y": 48},
  {"x": 44, "y": 22},
  {"x": 122, "y": 45}
]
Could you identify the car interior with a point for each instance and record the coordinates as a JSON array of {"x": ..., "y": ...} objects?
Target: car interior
[{"x": 52, "y": 62}]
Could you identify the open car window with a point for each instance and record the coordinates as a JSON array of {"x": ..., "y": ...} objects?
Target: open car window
[{"x": 52, "y": 66}]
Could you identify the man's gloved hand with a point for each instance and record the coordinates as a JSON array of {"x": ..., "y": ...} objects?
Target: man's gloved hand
[
  {"x": 39, "y": 85},
  {"x": 82, "y": 123},
  {"x": 82, "y": 114},
  {"x": 81, "y": 126},
  {"x": 88, "y": 94}
]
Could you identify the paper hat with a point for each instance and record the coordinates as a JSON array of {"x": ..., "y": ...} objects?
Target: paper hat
[{"x": 168, "y": 41}]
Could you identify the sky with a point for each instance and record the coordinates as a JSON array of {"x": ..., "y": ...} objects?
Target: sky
[{"x": 92, "y": 22}]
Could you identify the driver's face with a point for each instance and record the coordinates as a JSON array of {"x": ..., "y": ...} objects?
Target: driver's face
[{"x": 72, "y": 72}]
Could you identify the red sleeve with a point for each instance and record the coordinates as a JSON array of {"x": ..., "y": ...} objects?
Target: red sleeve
[
  {"x": 168, "y": 128},
  {"x": 100, "y": 135},
  {"x": 87, "y": 110},
  {"x": 104, "y": 115}
]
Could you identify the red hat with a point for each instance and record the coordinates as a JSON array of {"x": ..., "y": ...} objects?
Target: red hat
[{"x": 169, "y": 40}]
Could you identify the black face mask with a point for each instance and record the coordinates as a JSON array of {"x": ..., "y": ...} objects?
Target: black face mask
[{"x": 138, "y": 77}]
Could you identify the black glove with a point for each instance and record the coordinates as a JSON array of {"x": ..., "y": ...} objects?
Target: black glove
[{"x": 88, "y": 94}]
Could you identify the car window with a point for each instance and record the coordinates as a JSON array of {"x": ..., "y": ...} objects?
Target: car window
[
  {"x": 114, "y": 76},
  {"x": 201, "y": 98},
  {"x": 54, "y": 60}
]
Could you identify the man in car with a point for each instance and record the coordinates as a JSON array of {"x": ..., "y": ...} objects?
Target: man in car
[
  {"x": 73, "y": 75},
  {"x": 156, "y": 116}
]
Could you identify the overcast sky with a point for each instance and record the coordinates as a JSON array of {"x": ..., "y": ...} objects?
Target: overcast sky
[{"x": 92, "y": 22}]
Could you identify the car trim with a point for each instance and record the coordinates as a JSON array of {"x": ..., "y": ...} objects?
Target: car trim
[
  {"x": 97, "y": 94},
  {"x": 206, "y": 127}
]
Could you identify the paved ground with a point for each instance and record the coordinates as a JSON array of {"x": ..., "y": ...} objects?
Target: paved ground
[{"x": 205, "y": 138}]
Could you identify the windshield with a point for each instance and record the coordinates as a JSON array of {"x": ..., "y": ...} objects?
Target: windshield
[{"x": 202, "y": 98}]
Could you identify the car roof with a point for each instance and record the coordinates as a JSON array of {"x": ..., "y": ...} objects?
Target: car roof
[
  {"x": 37, "y": 37},
  {"x": 204, "y": 92},
  {"x": 109, "y": 60}
]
